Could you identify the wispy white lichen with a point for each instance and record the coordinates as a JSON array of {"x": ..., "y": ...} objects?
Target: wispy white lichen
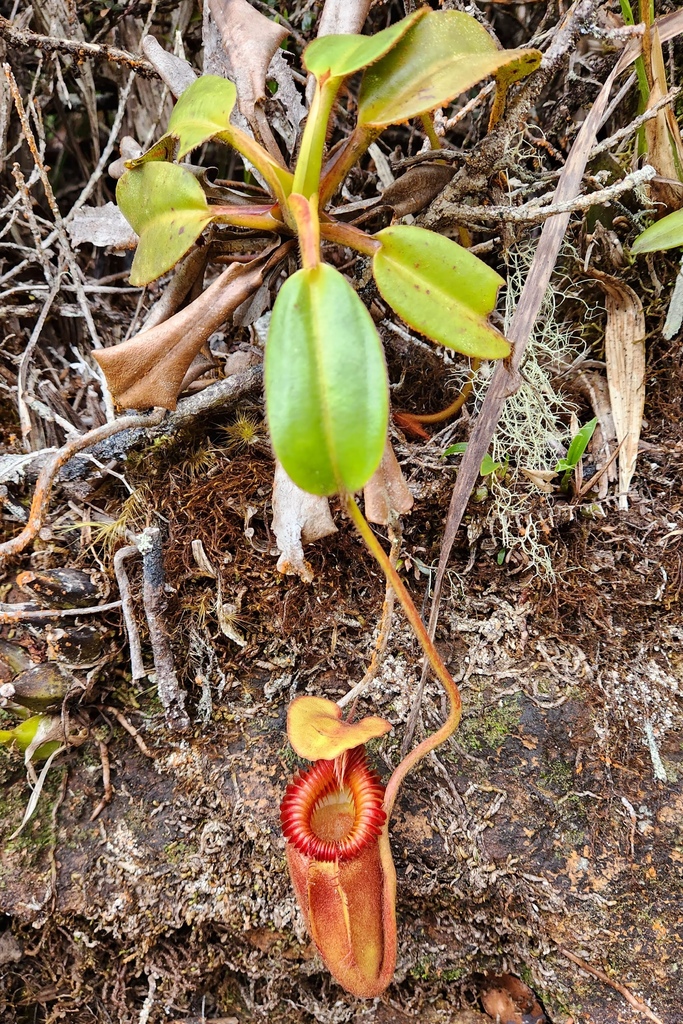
[{"x": 534, "y": 430}]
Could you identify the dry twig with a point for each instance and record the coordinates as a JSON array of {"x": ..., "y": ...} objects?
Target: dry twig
[
  {"x": 534, "y": 213},
  {"x": 41, "y": 496},
  {"x": 81, "y": 51},
  {"x": 154, "y": 600},
  {"x": 136, "y": 664},
  {"x": 21, "y": 612},
  {"x": 130, "y": 729},
  {"x": 633, "y": 1001},
  {"x": 106, "y": 782}
]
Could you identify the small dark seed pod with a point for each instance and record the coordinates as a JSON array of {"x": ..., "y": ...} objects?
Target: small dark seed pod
[
  {"x": 77, "y": 645},
  {"x": 13, "y": 659},
  {"x": 65, "y": 588},
  {"x": 41, "y": 688}
]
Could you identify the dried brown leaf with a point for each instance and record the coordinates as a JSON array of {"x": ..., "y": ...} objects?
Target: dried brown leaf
[
  {"x": 174, "y": 72},
  {"x": 416, "y": 189},
  {"x": 625, "y": 361},
  {"x": 593, "y": 386},
  {"x": 508, "y": 1000},
  {"x": 663, "y": 138},
  {"x": 387, "y": 491},
  {"x": 250, "y": 40},
  {"x": 148, "y": 370}
]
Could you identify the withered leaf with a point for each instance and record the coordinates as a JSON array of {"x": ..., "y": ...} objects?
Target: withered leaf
[
  {"x": 102, "y": 225},
  {"x": 386, "y": 492},
  {"x": 663, "y": 138},
  {"x": 415, "y": 189},
  {"x": 508, "y": 1000},
  {"x": 175, "y": 72},
  {"x": 250, "y": 41},
  {"x": 298, "y": 518},
  {"x": 148, "y": 370},
  {"x": 625, "y": 362}
]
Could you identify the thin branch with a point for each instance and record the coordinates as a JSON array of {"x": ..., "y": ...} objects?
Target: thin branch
[
  {"x": 633, "y": 1001},
  {"x": 79, "y": 50},
  {"x": 22, "y": 375},
  {"x": 64, "y": 244},
  {"x": 636, "y": 123},
  {"x": 155, "y": 602},
  {"x": 136, "y": 663},
  {"x": 130, "y": 729},
  {"x": 22, "y": 612},
  {"x": 106, "y": 782},
  {"x": 534, "y": 213},
  {"x": 41, "y": 496}
]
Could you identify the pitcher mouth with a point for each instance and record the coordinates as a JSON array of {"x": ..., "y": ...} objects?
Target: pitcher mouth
[{"x": 334, "y": 810}]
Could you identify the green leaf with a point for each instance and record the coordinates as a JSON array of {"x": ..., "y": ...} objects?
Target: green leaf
[
  {"x": 440, "y": 289},
  {"x": 456, "y": 449},
  {"x": 23, "y": 735},
  {"x": 326, "y": 384},
  {"x": 488, "y": 466},
  {"x": 667, "y": 233},
  {"x": 167, "y": 207},
  {"x": 578, "y": 446},
  {"x": 339, "y": 56},
  {"x": 441, "y": 56},
  {"x": 165, "y": 149},
  {"x": 331, "y": 59},
  {"x": 202, "y": 111}
]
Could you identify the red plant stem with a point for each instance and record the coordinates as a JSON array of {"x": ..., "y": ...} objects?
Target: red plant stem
[
  {"x": 346, "y": 234},
  {"x": 454, "y": 408},
  {"x": 260, "y": 218},
  {"x": 343, "y": 160},
  {"x": 305, "y": 214},
  {"x": 440, "y": 671}
]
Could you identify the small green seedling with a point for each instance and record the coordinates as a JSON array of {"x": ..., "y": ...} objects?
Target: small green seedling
[
  {"x": 488, "y": 465},
  {"x": 327, "y": 398},
  {"x": 576, "y": 451}
]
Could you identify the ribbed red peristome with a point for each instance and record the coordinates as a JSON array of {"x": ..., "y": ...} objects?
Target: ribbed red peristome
[{"x": 306, "y": 791}]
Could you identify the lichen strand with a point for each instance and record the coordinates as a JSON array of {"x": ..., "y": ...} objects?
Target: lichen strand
[{"x": 334, "y": 810}]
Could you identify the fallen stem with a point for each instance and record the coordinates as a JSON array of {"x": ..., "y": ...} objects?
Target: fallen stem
[
  {"x": 440, "y": 671},
  {"x": 41, "y": 496},
  {"x": 20, "y": 612},
  {"x": 155, "y": 602},
  {"x": 451, "y": 410},
  {"x": 636, "y": 1003},
  {"x": 78, "y": 49}
]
